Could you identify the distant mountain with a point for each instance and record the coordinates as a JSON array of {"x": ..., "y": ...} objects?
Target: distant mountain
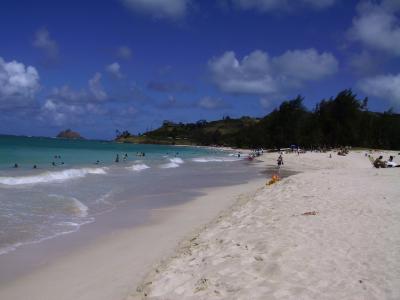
[{"x": 69, "y": 134}]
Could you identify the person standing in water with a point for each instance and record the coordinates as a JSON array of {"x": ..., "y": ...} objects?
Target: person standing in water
[{"x": 117, "y": 158}]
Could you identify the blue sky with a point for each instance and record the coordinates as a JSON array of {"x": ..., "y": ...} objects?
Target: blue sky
[{"x": 98, "y": 66}]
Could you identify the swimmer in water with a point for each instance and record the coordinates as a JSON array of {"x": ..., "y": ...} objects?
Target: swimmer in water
[{"x": 15, "y": 165}]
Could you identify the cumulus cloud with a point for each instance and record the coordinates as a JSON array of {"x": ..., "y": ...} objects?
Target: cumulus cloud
[
  {"x": 386, "y": 87},
  {"x": 159, "y": 9},
  {"x": 68, "y": 95},
  {"x": 257, "y": 73},
  {"x": 115, "y": 70},
  {"x": 65, "y": 105},
  {"x": 306, "y": 64},
  {"x": 44, "y": 42},
  {"x": 265, "y": 6},
  {"x": 59, "y": 113},
  {"x": 96, "y": 87},
  {"x": 211, "y": 103},
  {"x": 124, "y": 52},
  {"x": 377, "y": 26},
  {"x": 18, "y": 84}
]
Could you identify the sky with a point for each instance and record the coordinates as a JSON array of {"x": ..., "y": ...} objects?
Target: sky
[{"x": 99, "y": 66}]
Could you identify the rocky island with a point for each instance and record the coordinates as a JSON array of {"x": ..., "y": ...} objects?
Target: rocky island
[{"x": 69, "y": 134}]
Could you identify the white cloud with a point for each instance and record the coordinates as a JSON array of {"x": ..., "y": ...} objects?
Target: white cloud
[
  {"x": 257, "y": 73},
  {"x": 43, "y": 41},
  {"x": 159, "y": 9},
  {"x": 264, "y": 6},
  {"x": 306, "y": 64},
  {"x": 18, "y": 84},
  {"x": 124, "y": 52},
  {"x": 251, "y": 76},
  {"x": 59, "y": 113},
  {"x": 68, "y": 95},
  {"x": 114, "y": 69},
  {"x": 377, "y": 26},
  {"x": 211, "y": 103},
  {"x": 385, "y": 87},
  {"x": 96, "y": 88},
  {"x": 66, "y": 106}
]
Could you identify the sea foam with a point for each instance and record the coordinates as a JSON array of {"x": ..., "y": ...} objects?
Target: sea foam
[
  {"x": 76, "y": 207},
  {"x": 174, "y": 163},
  {"x": 138, "y": 167},
  {"x": 213, "y": 159},
  {"x": 52, "y": 176},
  {"x": 177, "y": 160}
]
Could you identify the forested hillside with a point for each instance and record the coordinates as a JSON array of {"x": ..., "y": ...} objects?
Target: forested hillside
[{"x": 340, "y": 121}]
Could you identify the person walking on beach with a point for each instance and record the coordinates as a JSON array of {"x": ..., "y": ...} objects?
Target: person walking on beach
[{"x": 280, "y": 161}]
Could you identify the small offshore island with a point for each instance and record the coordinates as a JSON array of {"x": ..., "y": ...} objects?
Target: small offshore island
[{"x": 69, "y": 134}]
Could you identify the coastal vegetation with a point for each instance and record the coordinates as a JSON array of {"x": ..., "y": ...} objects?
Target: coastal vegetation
[{"x": 343, "y": 120}]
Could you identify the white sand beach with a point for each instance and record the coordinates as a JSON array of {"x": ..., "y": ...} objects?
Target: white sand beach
[{"x": 330, "y": 232}]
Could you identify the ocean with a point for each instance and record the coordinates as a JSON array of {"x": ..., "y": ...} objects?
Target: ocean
[{"x": 75, "y": 181}]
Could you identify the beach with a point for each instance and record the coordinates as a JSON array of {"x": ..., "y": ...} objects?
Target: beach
[{"x": 329, "y": 231}]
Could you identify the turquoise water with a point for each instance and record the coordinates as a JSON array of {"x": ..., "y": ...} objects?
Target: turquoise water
[
  {"x": 53, "y": 200},
  {"x": 29, "y": 151}
]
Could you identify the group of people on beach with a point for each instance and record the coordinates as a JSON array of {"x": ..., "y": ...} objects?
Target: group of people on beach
[
  {"x": 253, "y": 154},
  {"x": 380, "y": 163},
  {"x": 343, "y": 151}
]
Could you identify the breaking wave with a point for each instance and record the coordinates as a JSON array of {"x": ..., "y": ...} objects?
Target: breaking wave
[
  {"x": 174, "y": 163},
  {"x": 52, "y": 176},
  {"x": 76, "y": 207},
  {"x": 138, "y": 167}
]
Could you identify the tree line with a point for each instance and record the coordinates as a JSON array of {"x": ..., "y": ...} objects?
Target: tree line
[{"x": 340, "y": 121}]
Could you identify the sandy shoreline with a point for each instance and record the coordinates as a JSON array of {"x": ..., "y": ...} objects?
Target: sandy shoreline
[
  {"x": 332, "y": 232},
  {"x": 111, "y": 267}
]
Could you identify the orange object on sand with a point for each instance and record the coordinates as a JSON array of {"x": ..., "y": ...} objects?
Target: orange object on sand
[{"x": 274, "y": 178}]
